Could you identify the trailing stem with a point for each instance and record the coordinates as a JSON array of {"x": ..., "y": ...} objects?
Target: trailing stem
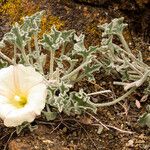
[
  {"x": 38, "y": 51},
  {"x": 30, "y": 51},
  {"x": 125, "y": 45},
  {"x": 76, "y": 70},
  {"x": 116, "y": 100},
  {"x": 51, "y": 69},
  {"x": 25, "y": 56},
  {"x": 3, "y": 56},
  {"x": 15, "y": 54}
]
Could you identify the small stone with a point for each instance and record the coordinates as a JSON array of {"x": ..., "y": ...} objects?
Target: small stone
[
  {"x": 64, "y": 129},
  {"x": 48, "y": 141},
  {"x": 141, "y": 136},
  {"x": 14, "y": 145},
  {"x": 130, "y": 143}
]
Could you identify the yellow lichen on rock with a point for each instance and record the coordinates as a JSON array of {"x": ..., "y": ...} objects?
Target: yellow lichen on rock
[
  {"x": 17, "y": 9},
  {"x": 49, "y": 21}
]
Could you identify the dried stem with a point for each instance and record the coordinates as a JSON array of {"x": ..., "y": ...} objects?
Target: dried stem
[
  {"x": 99, "y": 92},
  {"x": 3, "y": 56}
]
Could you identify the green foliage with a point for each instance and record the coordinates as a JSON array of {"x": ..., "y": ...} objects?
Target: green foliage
[
  {"x": 115, "y": 27},
  {"x": 75, "y": 62},
  {"x": 3, "y": 63},
  {"x": 25, "y": 125},
  {"x": 70, "y": 102},
  {"x": 21, "y": 34},
  {"x": 133, "y": 70},
  {"x": 144, "y": 120}
]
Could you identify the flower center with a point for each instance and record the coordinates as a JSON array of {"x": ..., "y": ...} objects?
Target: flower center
[{"x": 19, "y": 101}]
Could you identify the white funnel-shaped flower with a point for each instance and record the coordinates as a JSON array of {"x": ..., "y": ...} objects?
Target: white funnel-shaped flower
[{"x": 22, "y": 94}]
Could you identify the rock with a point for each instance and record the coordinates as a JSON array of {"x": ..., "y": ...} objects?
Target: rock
[
  {"x": 14, "y": 145},
  {"x": 39, "y": 139},
  {"x": 130, "y": 143}
]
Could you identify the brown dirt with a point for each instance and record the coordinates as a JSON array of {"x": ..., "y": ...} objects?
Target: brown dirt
[{"x": 74, "y": 133}]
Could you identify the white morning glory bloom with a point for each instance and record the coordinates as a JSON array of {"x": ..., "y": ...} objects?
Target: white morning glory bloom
[{"x": 22, "y": 94}]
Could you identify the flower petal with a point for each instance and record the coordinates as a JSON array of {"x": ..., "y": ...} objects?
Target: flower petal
[
  {"x": 18, "y": 116},
  {"x": 37, "y": 98},
  {"x": 6, "y": 81},
  {"x": 19, "y": 80},
  {"x": 27, "y": 77},
  {"x": 5, "y": 107}
]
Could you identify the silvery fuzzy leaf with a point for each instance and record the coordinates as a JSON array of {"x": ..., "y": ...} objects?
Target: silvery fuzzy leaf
[
  {"x": 140, "y": 56},
  {"x": 32, "y": 23},
  {"x": 106, "y": 41},
  {"x": 80, "y": 49},
  {"x": 56, "y": 35},
  {"x": 21, "y": 60},
  {"x": 113, "y": 28},
  {"x": 3, "y": 63},
  {"x": 144, "y": 120},
  {"x": 73, "y": 102},
  {"x": 21, "y": 127},
  {"x": 79, "y": 46},
  {"x": 16, "y": 36},
  {"x": 67, "y": 35},
  {"x": 71, "y": 62},
  {"x": 53, "y": 40},
  {"x": 25, "y": 125},
  {"x": 61, "y": 102},
  {"x": 9, "y": 37},
  {"x": 79, "y": 38},
  {"x": 81, "y": 102},
  {"x": 32, "y": 127},
  {"x": 20, "y": 34},
  {"x": 50, "y": 115},
  {"x": 40, "y": 60},
  {"x": 63, "y": 87},
  {"x": 90, "y": 69}
]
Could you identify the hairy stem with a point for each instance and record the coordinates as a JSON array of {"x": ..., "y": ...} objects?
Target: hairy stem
[
  {"x": 99, "y": 92},
  {"x": 24, "y": 56},
  {"x": 51, "y": 69},
  {"x": 116, "y": 100},
  {"x": 36, "y": 42},
  {"x": 30, "y": 51},
  {"x": 76, "y": 70},
  {"x": 124, "y": 43},
  {"x": 38, "y": 51},
  {"x": 3, "y": 56},
  {"x": 63, "y": 48},
  {"x": 15, "y": 53}
]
